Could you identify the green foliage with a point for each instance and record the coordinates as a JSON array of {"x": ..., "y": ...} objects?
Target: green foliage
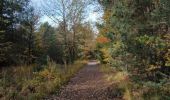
[
  {"x": 137, "y": 33},
  {"x": 17, "y": 27},
  {"x": 141, "y": 42}
]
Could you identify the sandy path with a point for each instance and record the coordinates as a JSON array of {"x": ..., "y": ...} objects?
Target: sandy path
[{"x": 88, "y": 84}]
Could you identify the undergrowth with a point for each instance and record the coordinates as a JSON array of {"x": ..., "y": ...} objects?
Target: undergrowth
[
  {"x": 34, "y": 82},
  {"x": 125, "y": 88}
]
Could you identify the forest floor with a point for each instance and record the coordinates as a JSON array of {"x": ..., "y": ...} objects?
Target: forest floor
[{"x": 88, "y": 84}]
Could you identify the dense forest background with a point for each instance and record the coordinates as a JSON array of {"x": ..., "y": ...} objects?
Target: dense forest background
[
  {"x": 37, "y": 58},
  {"x": 24, "y": 40}
]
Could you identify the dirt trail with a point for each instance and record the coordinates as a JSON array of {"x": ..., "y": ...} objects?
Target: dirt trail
[{"x": 88, "y": 84}]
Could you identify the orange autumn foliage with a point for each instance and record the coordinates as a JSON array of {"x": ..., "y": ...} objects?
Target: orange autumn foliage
[{"x": 103, "y": 40}]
